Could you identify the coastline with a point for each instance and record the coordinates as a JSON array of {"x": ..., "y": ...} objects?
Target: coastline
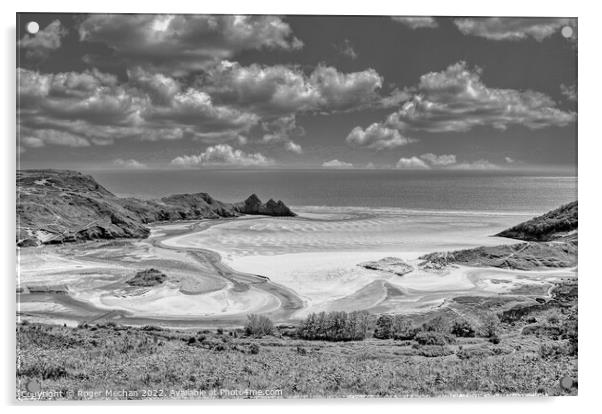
[{"x": 282, "y": 285}]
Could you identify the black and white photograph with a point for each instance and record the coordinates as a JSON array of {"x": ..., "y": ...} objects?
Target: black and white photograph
[{"x": 268, "y": 206}]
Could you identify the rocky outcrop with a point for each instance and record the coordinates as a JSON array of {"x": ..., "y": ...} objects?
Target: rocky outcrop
[
  {"x": 521, "y": 256},
  {"x": 560, "y": 223},
  {"x": 57, "y": 206},
  {"x": 147, "y": 278},
  {"x": 253, "y": 205},
  {"x": 393, "y": 265}
]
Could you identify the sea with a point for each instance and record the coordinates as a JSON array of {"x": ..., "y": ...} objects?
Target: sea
[{"x": 411, "y": 190}]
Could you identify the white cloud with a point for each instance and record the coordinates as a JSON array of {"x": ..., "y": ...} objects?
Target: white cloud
[
  {"x": 152, "y": 107},
  {"x": 509, "y": 160},
  {"x": 280, "y": 90},
  {"x": 129, "y": 164},
  {"x": 293, "y": 147},
  {"x": 42, "y": 137},
  {"x": 512, "y": 28},
  {"x": 377, "y": 137},
  {"x": 456, "y": 100},
  {"x": 40, "y": 45},
  {"x": 569, "y": 92},
  {"x": 475, "y": 165},
  {"x": 222, "y": 155},
  {"x": 446, "y": 159},
  {"x": 412, "y": 163},
  {"x": 179, "y": 44},
  {"x": 423, "y": 22},
  {"x": 336, "y": 164}
]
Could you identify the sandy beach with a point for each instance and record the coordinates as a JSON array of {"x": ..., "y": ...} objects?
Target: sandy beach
[{"x": 221, "y": 270}]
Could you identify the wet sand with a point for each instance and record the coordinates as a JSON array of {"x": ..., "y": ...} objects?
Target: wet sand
[{"x": 221, "y": 270}]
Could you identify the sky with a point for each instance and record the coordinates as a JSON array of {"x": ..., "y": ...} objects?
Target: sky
[{"x": 369, "y": 92}]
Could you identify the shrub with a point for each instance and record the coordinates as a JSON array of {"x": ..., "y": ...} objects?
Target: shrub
[
  {"x": 254, "y": 349},
  {"x": 432, "y": 338},
  {"x": 462, "y": 328},
  {"x": 437, "y": 324},
  {"x": 394, "y": 327},
  {"x": 258, "y": 326},
  {"x": 384, "y": 327},
  {"x": 335, "y": 326},
  {"x": 490, "y": 325}
]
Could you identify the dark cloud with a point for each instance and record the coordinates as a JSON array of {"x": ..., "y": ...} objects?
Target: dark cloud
[
  {"x": 183, "y": 43},
  {"x": 38, "y": 46}
]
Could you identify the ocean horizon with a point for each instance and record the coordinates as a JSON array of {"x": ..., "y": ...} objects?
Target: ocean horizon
[{"x": 413, "y": 190}]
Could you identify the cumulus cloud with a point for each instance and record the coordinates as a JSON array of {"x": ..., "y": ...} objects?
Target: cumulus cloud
[
  {"x": 42, "y": 137},
  {"x": 38, "y": 46},
  {"x": 446, "y": 159},
  {"x": 456, "y": 100},
  {"x": 509, "y": 160},
  {"x": 279, "y": 131},
  {"x": 293, "y": 147},
  {"x": 512, "y": 28},
  {"x": 129, "y": 164},
  {"x": 569, "y": 92},
  {"x": 280, "y": 89},
  {"x": 412, "y": 163},
  {"x": 377, "y": 137},
  {"x": 179, "y": 44},
  {"x": 475, "y": 165},
  {"x": 95, "y": 106},
  {"x": 423, "y": 22},
  {"x": 222, "y": 155},
  {"x": 336, "y": 164}
]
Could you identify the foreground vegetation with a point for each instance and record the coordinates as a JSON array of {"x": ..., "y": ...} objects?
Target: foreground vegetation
[{"x": 522, "y": 351}]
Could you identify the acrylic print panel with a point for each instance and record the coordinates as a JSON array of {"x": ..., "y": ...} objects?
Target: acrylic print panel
[{"x": 425, "y": 243}]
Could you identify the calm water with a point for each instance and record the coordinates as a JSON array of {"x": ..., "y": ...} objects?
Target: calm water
[{"x": 432, "y": 190}]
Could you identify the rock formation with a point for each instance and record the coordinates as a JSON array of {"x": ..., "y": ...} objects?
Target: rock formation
[
  {"x": 393, "y": 265},
  {"x": 56, "y": 206}
]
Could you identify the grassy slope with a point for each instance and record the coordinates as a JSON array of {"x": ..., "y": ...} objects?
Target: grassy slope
[
  {"x": 549, "y": 226},
  {"x": 113, "y": 357}
]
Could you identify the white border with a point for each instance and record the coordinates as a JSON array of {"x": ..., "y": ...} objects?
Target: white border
[{"x": 590, "y": 198}]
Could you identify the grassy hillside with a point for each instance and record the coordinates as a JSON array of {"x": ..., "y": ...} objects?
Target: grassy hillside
[
  {"x": 524, "y": 350},
  {"x": 550, "y": 226},
  {"x": 56, "y": 206}
]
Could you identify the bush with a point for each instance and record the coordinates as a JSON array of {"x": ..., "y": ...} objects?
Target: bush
[
  {"x": 437, "y": 324},
  {"x": 384, "y": 327},
  {"x": 490, "y": 325},
  {"x": 335, "y": 326},
  {"x": 433, "y": 338},
  {"x": 254, "y": 349},
  {"x": 462, "y": 328},
  {"x": 258, "y": 326},
  {"x": 394, "y": 327}
]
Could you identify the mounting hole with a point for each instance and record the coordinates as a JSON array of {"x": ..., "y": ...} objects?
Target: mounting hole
[
  {"x": 32, "y": 27},
  {"x": 567, "y": 31}
]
